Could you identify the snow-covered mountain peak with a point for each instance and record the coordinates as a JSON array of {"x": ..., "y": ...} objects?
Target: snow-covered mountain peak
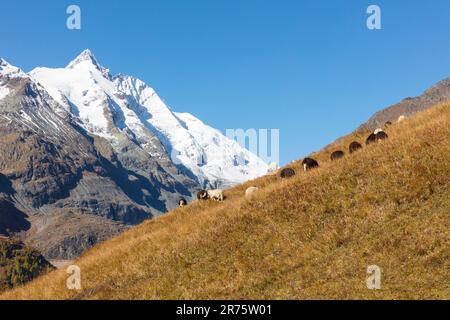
[
  {"x": 86, "y": 60},
  {"x": 85, "y": 56},
  {"x": 9, "y": 70},
  {"x": 114, "y": 107}
]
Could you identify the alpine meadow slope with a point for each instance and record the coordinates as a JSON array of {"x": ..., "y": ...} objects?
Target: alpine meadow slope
[{"x": 308, "y": 237}]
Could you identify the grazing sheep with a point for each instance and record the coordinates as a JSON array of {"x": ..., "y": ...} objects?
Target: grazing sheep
[
  {"x": 376, "y": 136},
  {"x": 250, "y": 191},
  {"x": 182, "y": 202},
  {"x": 381, "y": 135},
  {"x": 287, "y": 173},
  {"x": 309, "y": 163},
  {"x": 371, "y": 139},
  {"x": 354, "y": 146},
  {"x": 337, "y": 155},
  {"x": 202, "y": 195},
  {"x": 401, "y": 118},
  {"x": 215, "y": 194}
]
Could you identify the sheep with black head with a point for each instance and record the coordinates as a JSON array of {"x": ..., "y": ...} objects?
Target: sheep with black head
[
  {"x": 309, "y": 163},
  {"x": 202, "y": 195},
  {"x": 377, "y": 136},
  {"x": 381, "y": 135},
  {"x": 182, "y": 202}
]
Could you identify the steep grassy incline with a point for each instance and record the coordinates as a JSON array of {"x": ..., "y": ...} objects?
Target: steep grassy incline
[{"x": 312, "y": 236}]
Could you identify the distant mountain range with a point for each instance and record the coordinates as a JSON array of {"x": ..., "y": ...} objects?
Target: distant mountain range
[{"x": 86, "y": 154}]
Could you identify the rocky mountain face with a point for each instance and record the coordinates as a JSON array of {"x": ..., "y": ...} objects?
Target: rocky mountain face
[
  {"x": 85, "y": 154},
  {"x": 437, "y": 94}
]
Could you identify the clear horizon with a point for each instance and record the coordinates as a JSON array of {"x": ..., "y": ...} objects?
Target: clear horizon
[{"x": 309, "y": 68}]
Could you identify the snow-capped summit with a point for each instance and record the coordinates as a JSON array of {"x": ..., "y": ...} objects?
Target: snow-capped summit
[
  {"x": 7, "y": 69},
  {"x": 85, "y": 56},
  {"x": 117, "y": 106},
  {"x": 87, "y": 60}
]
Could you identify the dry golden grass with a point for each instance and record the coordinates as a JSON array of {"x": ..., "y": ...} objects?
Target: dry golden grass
[{"x": 309, "y": 237}]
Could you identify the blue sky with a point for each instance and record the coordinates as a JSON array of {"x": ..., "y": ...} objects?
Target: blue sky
[{"x": 309, "y": 68}]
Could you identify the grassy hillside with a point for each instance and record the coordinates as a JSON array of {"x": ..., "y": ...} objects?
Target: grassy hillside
[{"x": 308, "y": 237}]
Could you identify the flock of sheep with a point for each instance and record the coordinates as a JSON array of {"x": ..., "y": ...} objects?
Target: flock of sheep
[{"x": 307, "y": 164}]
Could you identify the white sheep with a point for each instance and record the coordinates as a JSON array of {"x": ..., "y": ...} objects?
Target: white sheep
[
  {"x": 250, "y": 191},
  {"x": 215, "y": 194},
  {"x": 401, "y": 118}
]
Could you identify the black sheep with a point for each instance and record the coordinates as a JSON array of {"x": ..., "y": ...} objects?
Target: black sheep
[
  {"x": 354, "y": 146},
  {"x": 182, "y": 202},
  {"x": 371, "y": 139},
  {"x": 381, "y": 135},
  {"x": 309, "y": 163},
  {"x": 202, "y": 195},
  {"x": 337, "y": 155},
  {"x": 287, "y": 173}
]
